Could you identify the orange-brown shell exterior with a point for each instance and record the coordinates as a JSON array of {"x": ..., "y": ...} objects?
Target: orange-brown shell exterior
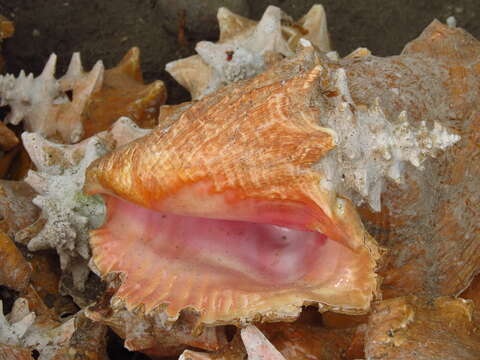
[{"x": 412, "y": 327}]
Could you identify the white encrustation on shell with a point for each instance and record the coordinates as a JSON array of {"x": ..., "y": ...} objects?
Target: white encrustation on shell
[
  {"x": 371, "y": 147},
  {"x": 246, "y": 48},
  {"x": 31, "y": 98},
  {"x": 58, "y": 180}
]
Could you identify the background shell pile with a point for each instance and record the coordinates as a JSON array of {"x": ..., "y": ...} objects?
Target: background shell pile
[{"x": 57, "y": 304}]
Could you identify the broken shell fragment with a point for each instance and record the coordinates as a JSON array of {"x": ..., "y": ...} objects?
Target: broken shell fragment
[
  {"x": 300, "y": 340},
  {"x": 8, "y": 139},
  {"x": 30, "y": 326},
  {"x": 420, "y": 328},
  {"x": 246, "y": 48},
  {"x": 12, "y": 352},
  {"x": 234, "y": 350},
  {"x": 257, "y": 345},
  {"x": 21, "y": 328}
]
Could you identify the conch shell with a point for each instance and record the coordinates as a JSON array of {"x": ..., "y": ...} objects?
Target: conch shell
[
  {"x": 246, "y": 48},
  {"x": 234, "y": 221},
  {"x": 237, "y": 210}
]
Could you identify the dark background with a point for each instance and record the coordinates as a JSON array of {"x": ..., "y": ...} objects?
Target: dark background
[{"x": 106, "y": 29}]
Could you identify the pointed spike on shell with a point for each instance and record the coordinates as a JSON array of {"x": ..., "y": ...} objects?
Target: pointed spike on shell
[
  {"x": 367, "y": 132},
  {"x": 194, "y": 74},
  {"x": 268, "y": 33},
  {"x": 315, "y": 22},
  {"x": 359, "y": 52},
  {"x": 69, "y": 123},
  {"x": 130, "y": 64},
  {"x": 124, "y": 130},
  {"x": 231, "y": 24},
  {"x": 48, "y": 71},
  {"x": 74, "y": 72},
  {"x": 245, "y": 48}
]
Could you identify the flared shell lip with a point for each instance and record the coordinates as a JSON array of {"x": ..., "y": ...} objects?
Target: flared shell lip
[{"x": 286, "y": 312}]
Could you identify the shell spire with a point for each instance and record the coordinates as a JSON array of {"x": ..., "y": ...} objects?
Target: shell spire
[{"x": 371, "y": 147}]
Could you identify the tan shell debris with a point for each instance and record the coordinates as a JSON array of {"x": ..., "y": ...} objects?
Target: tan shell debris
[
  {"x": 303, "y": 339},
  {"x": 99, "y": 98},
  {"x": 15, "y": 271},
  {"x": 246, "y": 48},
  {"x": 8, "y": 139},
  {"x": 19, "y": 328},
  {"x": 473, "y": 293},
  {"x": 419, "y": 328},
  {"x": 11, "y": 352},
  {"x": 67, "y": 214},
  {"x": 234, "y": 350},
  {"x": 16, "y": 207}
]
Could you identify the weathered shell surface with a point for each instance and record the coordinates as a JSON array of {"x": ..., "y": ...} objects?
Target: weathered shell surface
[
  {"x": 419, "y": 328},
  {"x": 16, "y": 207},
  {"x": 155, "y": 335},
  {"x": 430, "y": 222},
  {"x": 15, "y": 271}
]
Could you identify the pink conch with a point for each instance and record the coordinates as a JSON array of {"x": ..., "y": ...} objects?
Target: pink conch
[
  {"x": 242, "y": 209},
  {"x": 224, "y": 214}
]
